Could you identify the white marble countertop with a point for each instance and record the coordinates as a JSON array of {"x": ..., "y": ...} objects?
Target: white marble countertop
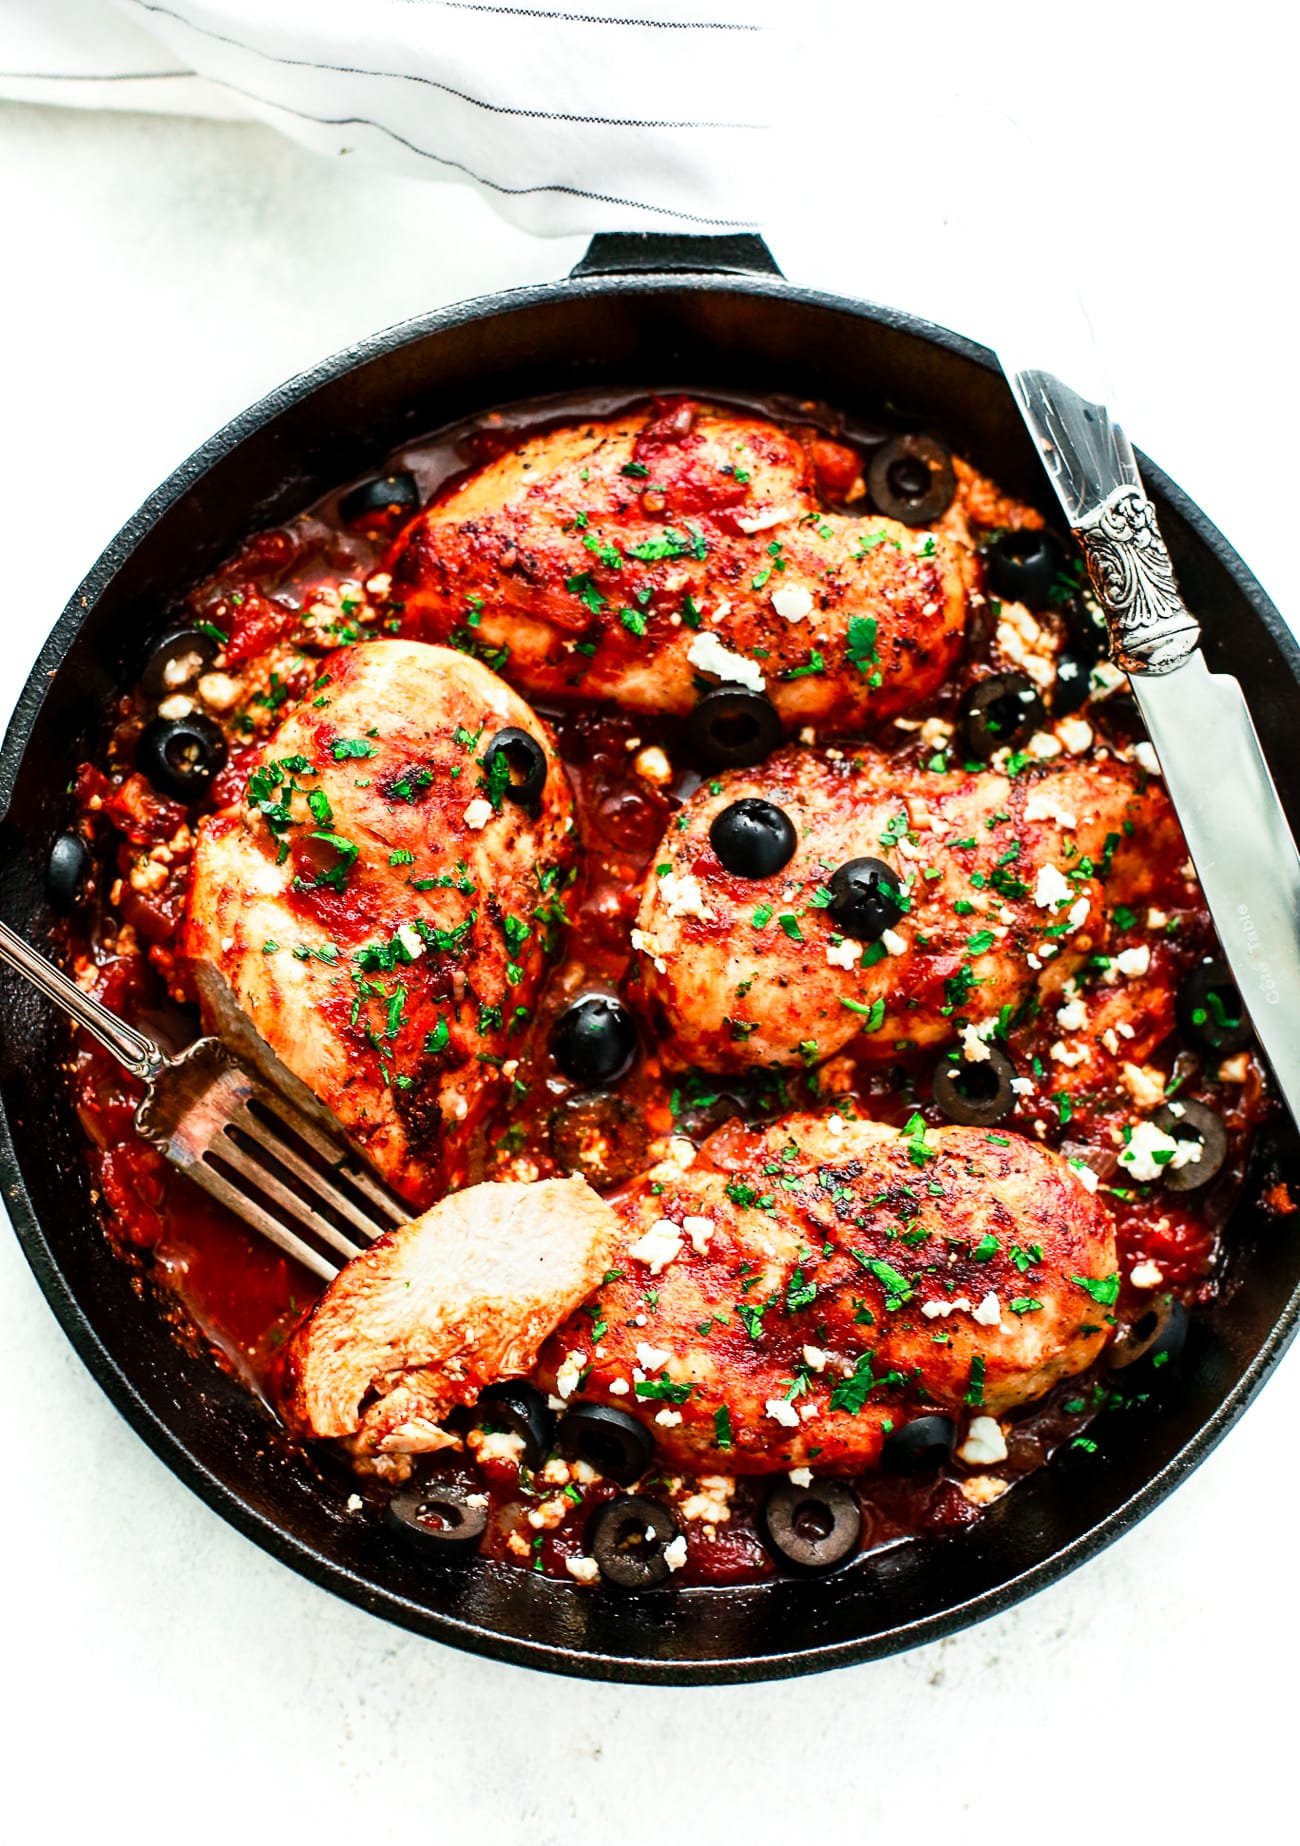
[{"x": 164, "y": 1675}]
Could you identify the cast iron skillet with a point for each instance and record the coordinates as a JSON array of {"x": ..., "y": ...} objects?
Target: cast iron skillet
[{"x": 704, "y": 314}]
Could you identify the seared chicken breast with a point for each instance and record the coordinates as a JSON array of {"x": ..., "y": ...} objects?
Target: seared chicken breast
[
  {"x": 804, "y": 1288},
  {"x": 433, "y": 1312},
  {"x": 373, "y": 915},
  {"x": 641, "y": 558},
  {"x": 1012, "y": 886}
]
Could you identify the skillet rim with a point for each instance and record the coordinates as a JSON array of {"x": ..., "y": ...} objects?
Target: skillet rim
[{"x": 112, "y": 1378}]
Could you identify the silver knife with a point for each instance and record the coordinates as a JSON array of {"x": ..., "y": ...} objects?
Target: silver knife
[{"x": 1209, "y": 750}]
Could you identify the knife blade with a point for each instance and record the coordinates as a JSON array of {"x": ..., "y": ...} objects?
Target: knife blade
[{"x": 1199, "y": 723}]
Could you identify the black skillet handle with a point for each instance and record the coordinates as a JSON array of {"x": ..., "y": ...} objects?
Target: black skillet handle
[{"x": 623, "y": 253}]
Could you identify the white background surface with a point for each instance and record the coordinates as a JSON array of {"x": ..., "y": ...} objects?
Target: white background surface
[{"x": 162, "y": 1678}]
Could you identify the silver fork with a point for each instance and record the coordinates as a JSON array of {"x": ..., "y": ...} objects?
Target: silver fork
[{"x": 281, "y": 1167}]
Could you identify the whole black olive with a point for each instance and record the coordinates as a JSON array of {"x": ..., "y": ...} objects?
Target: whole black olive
[
  {"x": 813, "y": 1528},
  {"x": 864, "y": 899},
  {"x": 1000, "y": 713},
  {"x": 753, "y": 838},
  {"x": 521, "y": 1410},
  {"x": 379, "y": 500},
  {"x": 1072, "y": 684},
  {"x": 629, "y": 1538},
  {"x": 975, "y": 1095},
  {"x": 732, "y": 728},
  {"x": 526, "y": 761},
  {"x": 1193, "y": 1121},
  {"x": 917, "y": 1447},
  {"x": 594, "y": 1039},
  {"x": 911, "y": 479},
  {"x": 178, "y": 660},
  {"x": 1156, "y": 1337},
  {"x": 601, "y": 1136},
  {"x": 180, "y": 756},
  {"x": 608, "y": 1440},
  {"x": 1209, "y": 1008},
  {"x": 68, "y": 874},
  {"x": 437, "y": 1519},
  {"x": 1085, "y": 629},
  {"x": 1022, "y": 567}
]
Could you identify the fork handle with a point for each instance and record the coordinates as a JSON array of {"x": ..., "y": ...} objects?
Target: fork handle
[{"x": 133, "y": 1049}]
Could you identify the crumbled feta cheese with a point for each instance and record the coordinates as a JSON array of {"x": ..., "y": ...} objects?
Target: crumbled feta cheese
[
  {"x": 411, "y": 940},
  {"x": 893, "y": 942},
  {"x": 782, "y": 1412},
  {"x": 1063, "y": 1054},
  {"x": 708, "y": 654},
  {"x": 1146, "y": 1275},
  {"x": 652, "y": 765},
  {"x": 1156, "y": 919},
  {"x": 683, "y": 897},
  {"x": 658, "y": 1246},
  {"x": 1134, "y": 961},
  {"x": 699, "y": 1230},
  {"x": 496, "y": 1445},
  {"x": 1075, "y": 734},
  {"x": 1023, "y": 1086},
  {"x": 1052, "y": 888},
  {"x": 989, "y": 1311},
  {"x": 1144, "y": 1085},
  {"x": 566, "y": 1379},
  {"x": 835, "y": 1124},
  {"x": 643, "y": 946},
  {"x": 799, "y": 1477},
  {"x": 668, "y": 1419},
  {"x": 476, "y": 1499},
  {"x": 709, "y": 1499},
  {"x": 219, "y": 691},
  {"x": 846, "y": 954},
  {"x": 478, "y": 814},
  {"x": 651, "y": 1357},
  {"x": 1085, "y": 1175},
  {"x": 764, "y": 521},
  {"x": 1042, "y": 805},
  {"x": 1079, "y": 913},
  {"x": 583, "y": 1570},
  {"x": 973, "y": 1048},
  {"x": 935, "y": 1310},
  {"x": 985, "y": 1444},
  {"x": 1110, "y": 1040},
  {"x": 1144, "y": 755},
  {"x": 1043, "y": 745},
  {"x": 814, "y": 1358},
  {"x": 618, "y": 1387},
  {"x": 982, "y": 1489},
  {"x": 675, "y": 1552},
  {"x": 177, "y": 706},
  {"x": 355, "y": 1503},
  {"x": 1073, "y": 1016},
  {"x": 792, "y": 602},
  {"x": 1235, "y": 1070},
  {"x": 1150, "y": 1151}
]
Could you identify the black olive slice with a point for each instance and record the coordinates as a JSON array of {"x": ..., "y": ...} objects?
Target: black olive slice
[
  {"x": 813, "y": 1528},
  {"x": 975, "y": 1095},
  {"x": 1072, "y": 683},
  {"x": 1085, "y": 630},
  {"x": 1193, "y": 1121},
  {"x": 68, "y": 874},
  {"x": 731, "y": 727},
  {"x": 437, "y": 1519},
  {"x": 864, "y": 899},
  {"x": 180, "y": 756},
  {"x": 522, "y": 1410},
  {"x": 178, "y": 660},
  {"x": 911, "y": 479},
  {"x": 1209, "y": 1008},
  {"x": 1001, "y": 712},
  {"x": 594, "y": 1039},
  {"x": 380, "y": 500},
  {"x": 1155, "y": 1339},
  {"x": 608, "y": 1440},
  {"x": 526, "y": 761},
  {"x": 601, "y": 1136},
  {"x": 917, "y": 1447},
  {"x": 1022, "y": 567},
  {"x": 629, "y": 1537},
  {"x": 753, "y": 838}
]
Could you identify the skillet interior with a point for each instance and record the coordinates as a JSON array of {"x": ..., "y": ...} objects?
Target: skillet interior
[{"x": 738, "y": 335}]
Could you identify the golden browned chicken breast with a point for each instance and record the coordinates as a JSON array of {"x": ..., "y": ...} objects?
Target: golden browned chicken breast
[
  {"x": 1005, "y": 888},
  {"x": 375, "y": 913},
  {"x": 433, "y": 1312},
  {"x": 800, "y": 1291},
  {"x": 642, "y": 558}
]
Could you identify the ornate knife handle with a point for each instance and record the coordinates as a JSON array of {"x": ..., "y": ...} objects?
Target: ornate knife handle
[{"x": 1132, "y": 574}]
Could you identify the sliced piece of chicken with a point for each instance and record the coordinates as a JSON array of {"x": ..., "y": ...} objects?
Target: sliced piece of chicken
[
  {"x": 801, "y": 1288},
  {"x": 1013, "y": 882},
  {"x": 374, "y": 919},
  {"x": 434, "y": 1312},
  {"x": 612, "y": 559}
]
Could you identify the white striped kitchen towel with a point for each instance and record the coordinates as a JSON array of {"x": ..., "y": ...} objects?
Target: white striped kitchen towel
[{"x": 569, "y": 115}]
